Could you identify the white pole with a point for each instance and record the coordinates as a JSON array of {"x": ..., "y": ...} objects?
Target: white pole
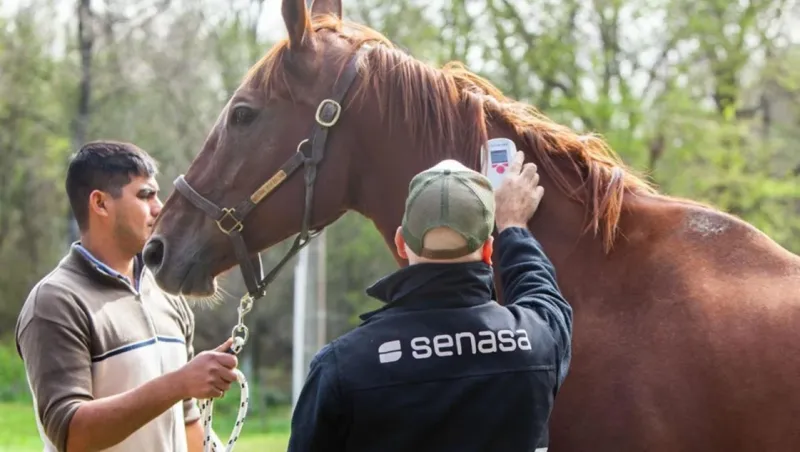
[
  {"x": 299, "y": 320},
  {"x": 299, "y": 317},
  {"x": 299, "y": 366},
  {"x": 322, "y": 285}
]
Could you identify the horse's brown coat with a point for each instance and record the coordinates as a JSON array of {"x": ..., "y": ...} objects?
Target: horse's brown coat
[{"x": 686, "y": 319}]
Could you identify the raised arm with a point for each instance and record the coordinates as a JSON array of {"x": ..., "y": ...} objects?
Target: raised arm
[
  {"x": 527, "y": 275},
  {"x": 529, "y": 281}
]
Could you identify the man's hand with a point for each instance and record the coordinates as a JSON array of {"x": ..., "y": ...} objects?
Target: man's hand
[
  {"x": 209, "y": 374},
  {"x": 102, "y": 423},
  {"x": 517, "y": 198}
]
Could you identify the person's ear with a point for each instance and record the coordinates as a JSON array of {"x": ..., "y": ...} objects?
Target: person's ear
[
  {"x": 400, "y": 243},
  {"x": 488, "y": 249},
  {"x": 99, "y": 203}
]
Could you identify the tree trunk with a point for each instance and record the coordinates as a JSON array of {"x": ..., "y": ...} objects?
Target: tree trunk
[{"x": 81, "y": 121}]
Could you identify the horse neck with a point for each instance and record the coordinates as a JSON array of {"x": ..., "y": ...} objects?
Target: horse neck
[{"x": 559, "y": 223}]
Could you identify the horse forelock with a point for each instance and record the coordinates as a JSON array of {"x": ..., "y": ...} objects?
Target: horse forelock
[{"x": 446, "y": 110}]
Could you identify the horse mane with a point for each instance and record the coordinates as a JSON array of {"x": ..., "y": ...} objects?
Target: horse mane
[{"x": 446, "y": 111}]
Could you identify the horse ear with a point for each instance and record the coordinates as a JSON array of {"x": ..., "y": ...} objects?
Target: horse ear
[
  {"x": 295, "y": 16},
  {"x": 327, "y": 7}
]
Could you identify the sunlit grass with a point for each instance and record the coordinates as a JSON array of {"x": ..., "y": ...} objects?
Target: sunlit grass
[{"x": 18, "y": 431}]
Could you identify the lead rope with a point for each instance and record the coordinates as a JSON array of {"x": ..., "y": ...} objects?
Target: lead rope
[{"x": 211, "y": 442}]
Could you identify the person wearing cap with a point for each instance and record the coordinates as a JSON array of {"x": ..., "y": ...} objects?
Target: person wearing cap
[{"x": 442, "y": 367}]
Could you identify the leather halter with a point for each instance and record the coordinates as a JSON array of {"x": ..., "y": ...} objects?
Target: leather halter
[{"x": 230, "y": 220}]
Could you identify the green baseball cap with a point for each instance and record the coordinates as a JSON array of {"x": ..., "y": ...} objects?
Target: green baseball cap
[{"x": 453, "y": 196}]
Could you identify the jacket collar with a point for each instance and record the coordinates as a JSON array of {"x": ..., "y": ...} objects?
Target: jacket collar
[
  {"x": 79, "y": 259},
  {"x": 433, "y": 286}
]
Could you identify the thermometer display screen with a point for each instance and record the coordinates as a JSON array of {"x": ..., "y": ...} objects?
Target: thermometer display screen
[{"x": 499, "y": 156}]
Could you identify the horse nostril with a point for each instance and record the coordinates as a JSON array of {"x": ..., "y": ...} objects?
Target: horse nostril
[{"x": 153, "y": 253}]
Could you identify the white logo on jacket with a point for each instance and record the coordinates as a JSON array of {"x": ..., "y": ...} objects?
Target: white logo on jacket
[{"x": 464, "y": 343}]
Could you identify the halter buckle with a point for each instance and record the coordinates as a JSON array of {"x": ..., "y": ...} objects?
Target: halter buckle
[
  {"x": 229, "y": 212},
  {"x": 336, "y": 114}
]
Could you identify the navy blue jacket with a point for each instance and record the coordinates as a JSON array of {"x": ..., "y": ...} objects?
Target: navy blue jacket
[{"x": 441, "y": 367}]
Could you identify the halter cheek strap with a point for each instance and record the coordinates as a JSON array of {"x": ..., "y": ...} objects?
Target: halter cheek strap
[{"x": 310, "y": 152}]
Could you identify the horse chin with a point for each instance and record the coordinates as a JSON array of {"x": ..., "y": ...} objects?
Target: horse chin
[{"x": 198, "y": 285}]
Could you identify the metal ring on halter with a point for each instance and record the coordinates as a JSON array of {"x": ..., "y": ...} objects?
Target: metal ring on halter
[{"x": 300, "y": 144}]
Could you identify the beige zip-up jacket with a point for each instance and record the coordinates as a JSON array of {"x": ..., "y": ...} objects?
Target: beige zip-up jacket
[{"x": 85, "y": 332}]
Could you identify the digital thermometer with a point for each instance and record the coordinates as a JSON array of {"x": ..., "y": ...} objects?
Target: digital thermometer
[{"x": 501, "y": 153}]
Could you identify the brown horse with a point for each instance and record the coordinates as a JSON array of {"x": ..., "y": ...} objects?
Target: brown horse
[{"x": 686, "y": 319}]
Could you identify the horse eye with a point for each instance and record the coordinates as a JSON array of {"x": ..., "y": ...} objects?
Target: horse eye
[{"x": 243, "y": 115}]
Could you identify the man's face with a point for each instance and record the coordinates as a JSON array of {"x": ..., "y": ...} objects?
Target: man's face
[{"x": 135, "y": 212}]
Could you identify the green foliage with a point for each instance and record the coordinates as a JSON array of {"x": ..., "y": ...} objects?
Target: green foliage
[
  {"x": 33, "y": 148},
  {"x": 18, "y": 431},
  {"x": 13, "y": 384},
  {"x": 357, "y": 257}
]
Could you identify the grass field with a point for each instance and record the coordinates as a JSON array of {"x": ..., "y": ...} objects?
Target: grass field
[{"x": 18, "y": 430}]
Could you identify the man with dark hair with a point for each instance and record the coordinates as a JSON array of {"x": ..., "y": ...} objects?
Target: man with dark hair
[
  {"x": 108, "y": 355},
  {"x": 105, "y": 166}
]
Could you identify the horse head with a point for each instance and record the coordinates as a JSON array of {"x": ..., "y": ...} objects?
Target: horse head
[{"x": 252, "y": 177}]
